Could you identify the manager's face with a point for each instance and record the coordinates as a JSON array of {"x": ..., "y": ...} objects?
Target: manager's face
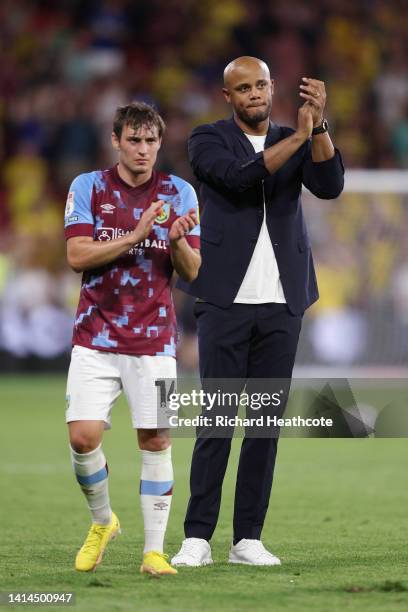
[{"x": 249, "y": 90}]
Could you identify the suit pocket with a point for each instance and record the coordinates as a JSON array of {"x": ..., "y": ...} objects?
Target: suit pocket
[
  {"x": 211, "y": 234},
  {"x": 303, "y": 243},
  {"x": 199, "y": 307}
]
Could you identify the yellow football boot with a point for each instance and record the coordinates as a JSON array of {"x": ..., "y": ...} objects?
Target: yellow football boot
[
  {"x": 91, "y": 553},
  {"x": 155, "y": 563}
]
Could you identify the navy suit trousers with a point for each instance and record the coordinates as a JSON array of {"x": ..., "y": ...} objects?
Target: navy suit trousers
[{"x": 244, "y": 341}]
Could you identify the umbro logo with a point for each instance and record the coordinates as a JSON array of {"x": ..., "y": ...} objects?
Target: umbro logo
[
  {"x": 160, "y": 505},
  {"x": 108, "y": 208}
]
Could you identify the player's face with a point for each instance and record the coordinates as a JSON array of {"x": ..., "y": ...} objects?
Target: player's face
[
  {"x": 250, "y": 91},
  {"x": 138, "y": 149}
]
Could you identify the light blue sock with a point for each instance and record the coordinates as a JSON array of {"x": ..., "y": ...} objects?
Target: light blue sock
[{"x": 91, "y": 471}]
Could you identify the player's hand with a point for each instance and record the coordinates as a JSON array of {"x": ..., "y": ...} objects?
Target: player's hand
[
  {"x": 305, "y": 121},
  {"x": 183, "y": 225},
  {"x": 146, "y": 222},
  {"x": 314, "y": 93}
]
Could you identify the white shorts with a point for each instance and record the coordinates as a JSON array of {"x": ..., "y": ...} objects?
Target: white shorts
[{"x": 96, "y": 379}]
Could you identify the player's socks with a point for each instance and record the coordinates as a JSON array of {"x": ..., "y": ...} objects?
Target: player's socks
[
  {"x": 156, "y": 488},
  {"x": 91, "y": 471}
]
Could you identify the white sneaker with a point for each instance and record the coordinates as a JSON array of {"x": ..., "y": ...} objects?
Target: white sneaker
[
  {"x": 194, "y": 552},
  {"x": 252, "y": 552}
]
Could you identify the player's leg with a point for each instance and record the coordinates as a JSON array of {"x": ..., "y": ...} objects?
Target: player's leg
[
  {"x": 92, "y": 387},
  {"x": 156, "y": 491},
  {"x": 90, "y": 467},
  {"x": 139, "y": 376}
]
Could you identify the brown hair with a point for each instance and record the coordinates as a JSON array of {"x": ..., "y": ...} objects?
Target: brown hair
[{"x": 137, "y": 114}]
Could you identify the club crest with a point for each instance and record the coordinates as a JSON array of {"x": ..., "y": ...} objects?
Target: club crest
[{"x": 165, "y": 214}]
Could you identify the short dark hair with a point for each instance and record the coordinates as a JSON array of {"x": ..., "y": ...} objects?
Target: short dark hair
[{"x": 137, "y": 114}]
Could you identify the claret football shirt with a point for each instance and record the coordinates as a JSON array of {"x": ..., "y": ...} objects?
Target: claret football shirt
[{"x": 126, "y": 306}]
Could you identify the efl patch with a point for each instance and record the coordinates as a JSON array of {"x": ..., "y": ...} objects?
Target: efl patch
[
  {"x": 165, "y": 214},
  {"x": 69, "y": 208},
  {"x": 72, "y": 219}
]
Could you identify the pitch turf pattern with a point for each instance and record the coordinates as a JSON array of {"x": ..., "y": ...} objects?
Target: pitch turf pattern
[{"x": 338, "y": 520}]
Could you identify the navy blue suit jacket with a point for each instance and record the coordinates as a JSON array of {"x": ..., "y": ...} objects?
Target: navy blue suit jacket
[{"x": 232, "y": 180}]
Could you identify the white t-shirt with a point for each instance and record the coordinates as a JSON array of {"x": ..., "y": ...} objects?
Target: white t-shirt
[{"x": 261, "y": 282}]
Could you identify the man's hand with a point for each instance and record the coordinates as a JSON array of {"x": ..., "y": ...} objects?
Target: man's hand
[
  {"x": 145, "y": 225},
  {"x": 186, "y": 260},
  {"x": 314, "y": 93},
  {"x": 183, "y": 225},
  {"x": 305, "y": 121}
]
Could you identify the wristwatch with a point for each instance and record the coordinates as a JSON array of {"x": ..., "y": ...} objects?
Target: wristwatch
[{"x": 321, "y": 129}]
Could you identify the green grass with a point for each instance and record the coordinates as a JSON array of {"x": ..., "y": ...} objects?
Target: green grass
[{"x": 337, "y": 518}]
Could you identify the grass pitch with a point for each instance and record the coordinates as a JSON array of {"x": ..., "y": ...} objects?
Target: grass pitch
[{"x": 337, "y": 519}]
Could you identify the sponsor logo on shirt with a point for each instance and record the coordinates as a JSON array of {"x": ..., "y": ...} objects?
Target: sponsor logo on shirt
[
  {"x": 108, "y": 208},
  {"x": 106, "y": 233},
  {"x": 111, "y": 233},
  {"x": 152, "y": 244}
]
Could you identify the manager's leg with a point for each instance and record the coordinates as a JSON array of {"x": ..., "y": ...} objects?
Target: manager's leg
[
  {"x": 223, "y": 336},
  {"x": 271, "y": 356}
]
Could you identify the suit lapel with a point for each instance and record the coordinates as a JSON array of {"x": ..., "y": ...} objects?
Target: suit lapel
[
  {"x": 239, "y": 135},
  {"x": 271, "y": 138},
  {"x": 273, "y": 134}
]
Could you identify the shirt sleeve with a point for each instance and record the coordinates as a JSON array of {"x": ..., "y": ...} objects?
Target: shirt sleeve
[
  {"x": 324, "y": 179},
  {"x": 79, "y": 220},
  {"x": 188, "y": 199}
]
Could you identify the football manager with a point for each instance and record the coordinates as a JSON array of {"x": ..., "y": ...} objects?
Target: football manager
[{"x": 256, "y": 281}]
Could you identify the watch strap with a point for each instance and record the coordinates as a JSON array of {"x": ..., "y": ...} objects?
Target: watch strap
[{"x": 321, "y": 129}]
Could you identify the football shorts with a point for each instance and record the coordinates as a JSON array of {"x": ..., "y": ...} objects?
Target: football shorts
[{"x": 97, "y": 378}]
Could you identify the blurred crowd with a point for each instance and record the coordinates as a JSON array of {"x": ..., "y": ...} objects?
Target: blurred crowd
[
  {"x": 361, "y": 251},
  {"x": 67, "y": 65}
]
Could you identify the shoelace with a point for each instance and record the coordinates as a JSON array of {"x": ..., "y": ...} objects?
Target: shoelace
[
  {"x": 190, "y": 547},
  {"x": 158, "y": 554},
  {"x": 96, "y": 532},
  {"x": 259, "y": 548}
]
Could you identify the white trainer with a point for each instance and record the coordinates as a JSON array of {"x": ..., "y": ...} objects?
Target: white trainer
[
  {"x": 251, "y": 552},
  {"x": 194, "y": 552}
]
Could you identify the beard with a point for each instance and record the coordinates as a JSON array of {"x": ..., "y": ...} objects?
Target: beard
[
  {"x": 256, "y": 117},
  {"x": 134, "y": 169}
]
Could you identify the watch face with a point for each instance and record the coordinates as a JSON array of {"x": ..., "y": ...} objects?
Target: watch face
[{"x": 322, "y": 128}]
